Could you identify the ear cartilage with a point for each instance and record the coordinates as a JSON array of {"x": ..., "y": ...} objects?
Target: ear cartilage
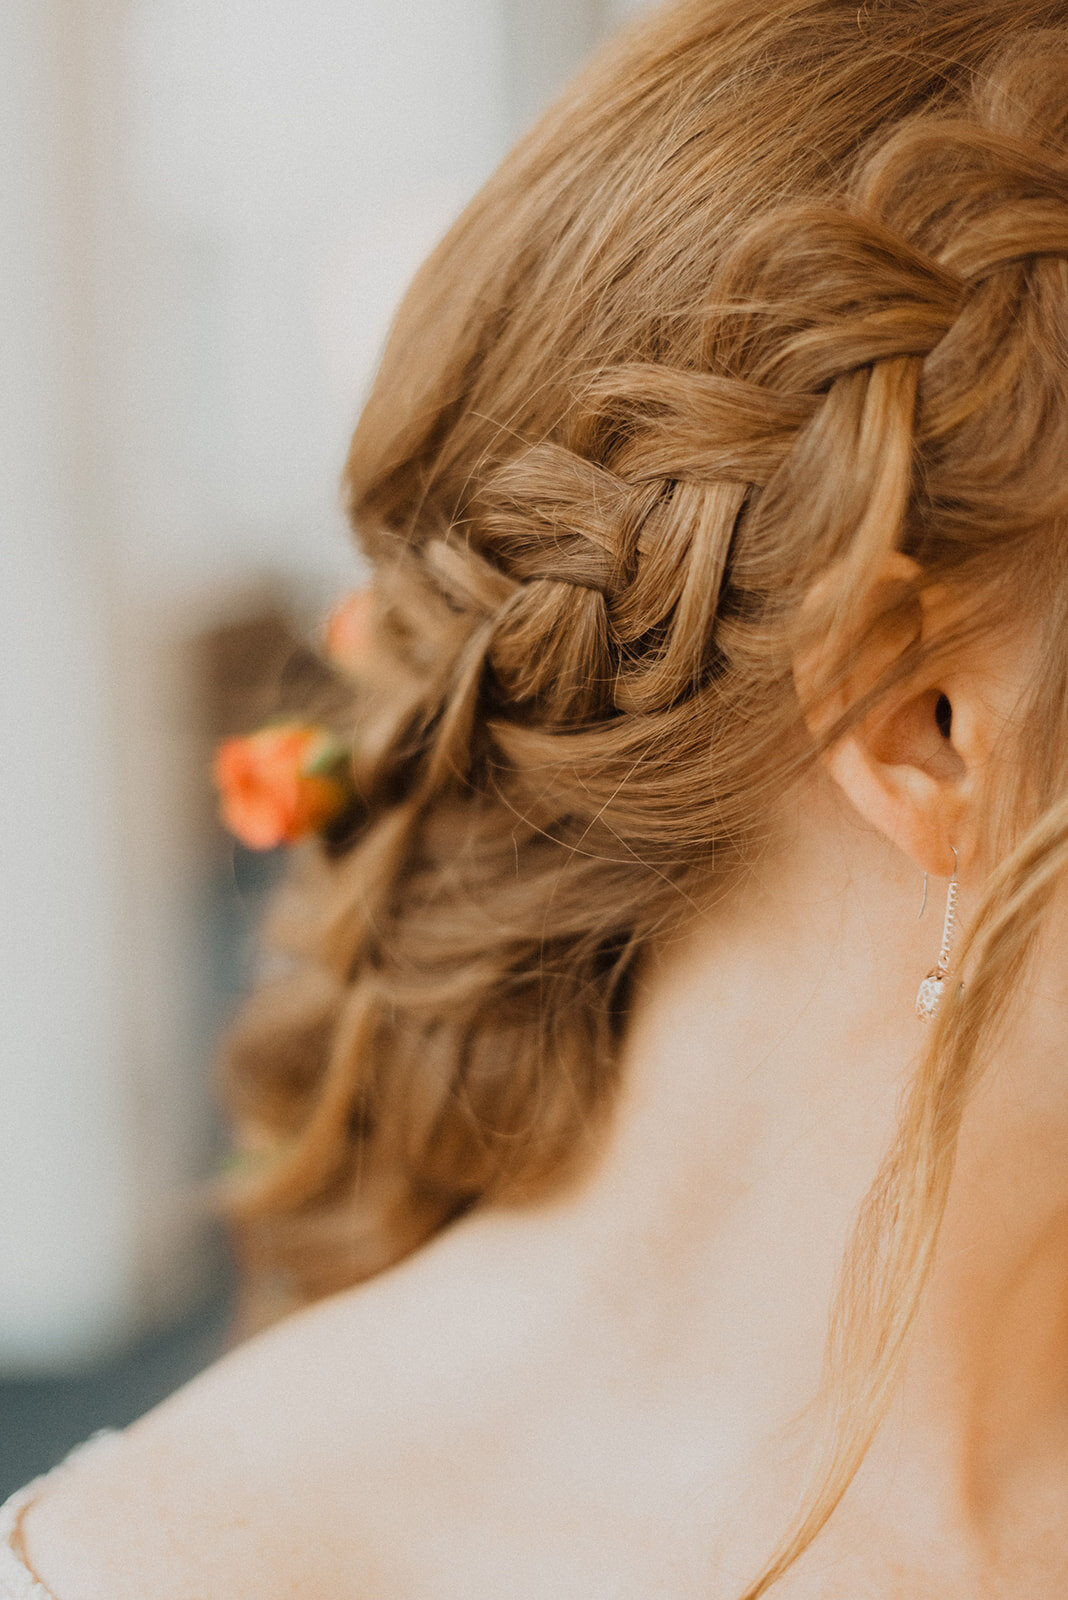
[{"x": 933, "y": 987}]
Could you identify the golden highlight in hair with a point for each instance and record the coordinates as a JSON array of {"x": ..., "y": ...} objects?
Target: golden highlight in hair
[{"x": 774, "y": 291}]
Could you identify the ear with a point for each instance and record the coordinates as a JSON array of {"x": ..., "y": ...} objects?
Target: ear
[{"x": 914, "y": 765}]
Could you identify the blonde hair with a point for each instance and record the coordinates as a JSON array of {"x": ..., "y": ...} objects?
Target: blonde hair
[{"x": 772, "y": 292}]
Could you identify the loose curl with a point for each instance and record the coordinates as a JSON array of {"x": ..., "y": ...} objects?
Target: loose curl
[{"x": 768, "y": 296}]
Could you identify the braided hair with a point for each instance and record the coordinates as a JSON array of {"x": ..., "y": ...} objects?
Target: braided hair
[{"x": 772, "y": 293}]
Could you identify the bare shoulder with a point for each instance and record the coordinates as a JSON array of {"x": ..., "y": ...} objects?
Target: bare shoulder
[{"x": 298, "y": 1463}]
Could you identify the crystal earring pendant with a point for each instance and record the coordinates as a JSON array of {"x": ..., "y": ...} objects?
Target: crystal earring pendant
[{"x": 933, "y": 987}]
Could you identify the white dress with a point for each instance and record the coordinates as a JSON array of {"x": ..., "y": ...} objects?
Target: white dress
[{"x": 17, "y": 1580}]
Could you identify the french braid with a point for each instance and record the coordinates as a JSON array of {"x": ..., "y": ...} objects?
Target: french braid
[{"x": 764, "y": 300}]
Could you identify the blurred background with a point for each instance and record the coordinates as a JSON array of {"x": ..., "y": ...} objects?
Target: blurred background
[{"x": 208, "y": 210}]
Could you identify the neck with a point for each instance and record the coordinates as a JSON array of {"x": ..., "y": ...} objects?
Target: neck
[{"x": 769, "y": 1047}]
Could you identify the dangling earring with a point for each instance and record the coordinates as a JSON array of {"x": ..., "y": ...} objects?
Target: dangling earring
[{"x": 933, "y": 986}]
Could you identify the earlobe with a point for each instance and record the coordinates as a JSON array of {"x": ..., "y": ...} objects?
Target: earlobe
[
  {"x": 907, "y": 766},
  {"x": 900, "y": 791}
]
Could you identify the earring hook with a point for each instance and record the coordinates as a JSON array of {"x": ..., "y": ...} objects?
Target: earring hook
[{"x": 923, "y": 902}]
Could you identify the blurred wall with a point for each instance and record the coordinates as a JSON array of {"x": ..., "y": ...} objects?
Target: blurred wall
[
  {"x": 64, "y": 1127},
  {"x": 208, "y": 212}
]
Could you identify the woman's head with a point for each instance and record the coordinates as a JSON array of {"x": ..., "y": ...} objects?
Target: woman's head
[
  {"x": 770, "y": 299},
  {"x": 774, "y": 297}
]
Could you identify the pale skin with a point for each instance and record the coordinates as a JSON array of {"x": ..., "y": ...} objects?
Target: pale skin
[{"x": 597, "y": 1398}]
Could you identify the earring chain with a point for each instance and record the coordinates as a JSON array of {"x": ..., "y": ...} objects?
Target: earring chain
[
  {"x": 950, "y": 926},
  {"x": 932, "y": 989}
]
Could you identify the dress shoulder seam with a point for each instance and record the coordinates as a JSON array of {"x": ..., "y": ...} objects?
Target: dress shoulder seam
[{"x": 18, "y": 1581}]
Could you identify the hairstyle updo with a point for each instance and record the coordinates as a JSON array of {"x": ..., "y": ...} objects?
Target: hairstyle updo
[{"x": 774, "y": 291}]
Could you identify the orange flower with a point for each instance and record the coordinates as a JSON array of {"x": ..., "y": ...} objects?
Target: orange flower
[
  {"x": 280, "y": 784},
  {"x": 347, "y": 629}
]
